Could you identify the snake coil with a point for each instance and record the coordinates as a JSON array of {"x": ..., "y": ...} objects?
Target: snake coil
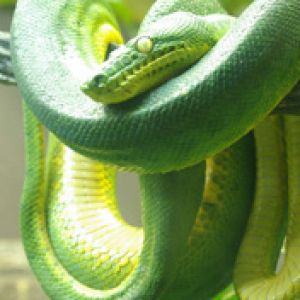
[{"x": 76, "y": 241}]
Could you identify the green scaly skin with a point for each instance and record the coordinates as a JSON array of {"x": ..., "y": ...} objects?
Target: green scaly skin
[
  {"x": 82, "y": 248},
  {"x": 145, "y": 135},
  {"x": 89, "y": 195},
  {"x": 256, "y": 276},
  {"x": 129, "y": 72},
  {"x": 274, "y": 216},
  {"x": 217, "y": 101}
]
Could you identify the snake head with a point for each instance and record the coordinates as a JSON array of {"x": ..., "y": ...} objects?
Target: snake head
[{"x": 169, "y": 47}]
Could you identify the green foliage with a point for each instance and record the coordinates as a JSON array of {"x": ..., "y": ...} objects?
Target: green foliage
[
  {"x": 235, "y": 7},
  {"x": 7, "y": 2},
  {"x": 138, "y": 8}
]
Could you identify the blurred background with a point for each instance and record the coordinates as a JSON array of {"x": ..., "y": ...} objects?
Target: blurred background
[{"x": 16, "y": 280}]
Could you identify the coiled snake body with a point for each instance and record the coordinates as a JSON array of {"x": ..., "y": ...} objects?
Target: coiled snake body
[{"x": 75, "y": 239}]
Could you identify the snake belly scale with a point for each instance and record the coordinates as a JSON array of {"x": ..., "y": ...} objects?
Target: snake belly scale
[{"x": 164, "y": 134}]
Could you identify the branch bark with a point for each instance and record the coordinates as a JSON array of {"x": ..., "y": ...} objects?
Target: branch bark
[{"x": 6, "y": 71}]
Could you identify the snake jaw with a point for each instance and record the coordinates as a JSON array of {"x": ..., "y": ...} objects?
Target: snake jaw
[
  {"x": 156, "y": 56},
  {"x": 138, "y": 72}
]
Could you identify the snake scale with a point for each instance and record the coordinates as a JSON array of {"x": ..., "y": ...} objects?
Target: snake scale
[{"x": 188, "y": 136}]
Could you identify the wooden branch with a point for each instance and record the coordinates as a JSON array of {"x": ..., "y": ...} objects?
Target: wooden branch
[{"x": 6, "y": 71}]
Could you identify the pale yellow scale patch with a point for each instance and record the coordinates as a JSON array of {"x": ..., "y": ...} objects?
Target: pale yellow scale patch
[
  {"x": 144, "y": 44},
  {"x": 103, "y": 238}
]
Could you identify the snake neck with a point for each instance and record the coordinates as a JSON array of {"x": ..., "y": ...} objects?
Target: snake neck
[{"x": 160, "y": 52}]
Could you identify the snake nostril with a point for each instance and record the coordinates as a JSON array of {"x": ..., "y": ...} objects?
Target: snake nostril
[{"x": 100, "y": 79}]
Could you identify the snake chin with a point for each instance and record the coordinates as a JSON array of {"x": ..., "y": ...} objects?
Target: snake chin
[{"x": 140, "y": 74}]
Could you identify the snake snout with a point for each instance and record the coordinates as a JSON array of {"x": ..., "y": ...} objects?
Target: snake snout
[{"x": 97, "y": 82}]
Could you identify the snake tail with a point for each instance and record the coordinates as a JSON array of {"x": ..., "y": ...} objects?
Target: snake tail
[{"x": 276, "y": 207}]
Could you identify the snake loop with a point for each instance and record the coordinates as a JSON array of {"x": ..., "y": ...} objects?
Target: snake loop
[
  {"x": 144, "y": 135},
  {"x": 164, "y": 134}
]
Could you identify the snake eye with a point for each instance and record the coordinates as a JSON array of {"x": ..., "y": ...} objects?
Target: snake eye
[{"x": 144, "y": 44}]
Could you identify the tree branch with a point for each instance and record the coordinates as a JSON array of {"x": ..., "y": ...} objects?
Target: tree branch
[{"x": 6, "y": 71}]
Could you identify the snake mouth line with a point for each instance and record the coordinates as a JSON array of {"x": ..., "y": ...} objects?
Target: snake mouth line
[{"x": 133, "y": 73}]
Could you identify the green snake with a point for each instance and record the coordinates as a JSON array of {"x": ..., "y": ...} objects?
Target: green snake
[{"x": 215, "y": 89}]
